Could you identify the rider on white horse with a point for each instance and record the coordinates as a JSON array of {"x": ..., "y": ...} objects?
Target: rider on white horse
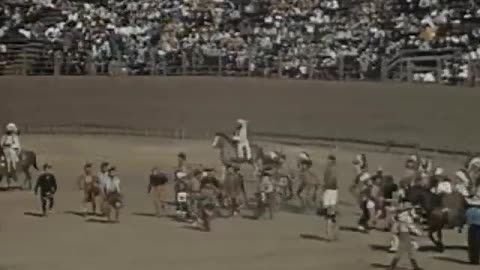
[
  {"x": 240, "y": 136},
  {"x": 11, "y": 145}
]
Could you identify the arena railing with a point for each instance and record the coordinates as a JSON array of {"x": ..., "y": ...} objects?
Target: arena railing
[
  {"x": 32, "y": 60},
  {"x": 181, "y": 133}
]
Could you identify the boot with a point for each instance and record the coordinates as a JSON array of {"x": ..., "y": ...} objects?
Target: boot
[
  {"x": 393, "y": 264},
  {"x": 415, "y": 264}
]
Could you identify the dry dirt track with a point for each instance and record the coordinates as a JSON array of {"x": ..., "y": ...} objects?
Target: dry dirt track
[
  {"x": 431, "y": 115},
  {"x": 67, "y": 242}
]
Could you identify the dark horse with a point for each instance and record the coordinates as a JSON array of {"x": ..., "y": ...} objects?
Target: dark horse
[
  {"x": 27, "y": 159},
  {"x": 441, "y": 211}
]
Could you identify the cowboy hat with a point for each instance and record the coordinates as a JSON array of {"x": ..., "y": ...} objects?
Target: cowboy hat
[{"x": 181, "y": 175}]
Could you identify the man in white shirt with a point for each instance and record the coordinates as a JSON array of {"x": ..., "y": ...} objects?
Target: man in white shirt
[{"x": 10, "y": 144}]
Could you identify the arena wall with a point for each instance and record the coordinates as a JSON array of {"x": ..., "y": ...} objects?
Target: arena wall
[{"x": 428, "y": 115}]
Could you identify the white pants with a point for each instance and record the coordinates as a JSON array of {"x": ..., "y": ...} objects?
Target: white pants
[
  {"x": 244, "y": 151},
  {"x": 330, "y": 197},
  {"x": 11, "y": 155}
]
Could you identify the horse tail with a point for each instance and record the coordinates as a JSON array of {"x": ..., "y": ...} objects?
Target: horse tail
[{"x": 34, "y": 160}]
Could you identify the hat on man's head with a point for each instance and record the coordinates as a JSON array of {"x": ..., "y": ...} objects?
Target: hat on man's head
[
  {"x": 180, "y": 174},
  {"x": 182, "y": 155},
  {"x": 88, "y": 165},
  {"x": 104, "y": 164}
]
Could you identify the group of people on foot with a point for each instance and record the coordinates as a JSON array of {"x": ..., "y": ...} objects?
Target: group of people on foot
[{"x": 425, "y": 195}]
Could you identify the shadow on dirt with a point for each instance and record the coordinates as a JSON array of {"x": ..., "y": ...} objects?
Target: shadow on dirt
[
  {"x": 34, "y": 214},
  {"x": 453, "y": 260},
  {"x": 313, "y": 237}
]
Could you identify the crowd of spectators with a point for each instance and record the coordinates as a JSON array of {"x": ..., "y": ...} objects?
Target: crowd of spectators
[{"x": 141, "y": 36}]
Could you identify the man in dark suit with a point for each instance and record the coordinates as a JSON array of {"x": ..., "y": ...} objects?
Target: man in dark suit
[{"x": 47, "y": 185}]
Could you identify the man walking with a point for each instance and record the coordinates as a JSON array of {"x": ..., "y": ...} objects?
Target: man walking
[
  {"x": 404, "y": 226},
  {"x": 47, "y": 185},
  {"x": 89, "y": 184},
  {"x": 330, "y": 197},
  {"x": 157, "y": 187}
]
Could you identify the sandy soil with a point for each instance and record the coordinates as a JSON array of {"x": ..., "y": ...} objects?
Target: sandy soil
[
  {"x": 68, "y": 242},
  {"x": 431, "y": 115}
]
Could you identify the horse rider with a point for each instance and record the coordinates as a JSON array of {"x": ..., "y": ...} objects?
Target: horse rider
[
  {"x": 10, "y": 143},
  {"x": 360, "y": 164},
  {"x": 47, "y": 185},
  {"x": 90, "y": 185},
  {"x": 404, "y": 226},
  {"x": 240, "y": 136},
  {"x": 309, "y": 182}
]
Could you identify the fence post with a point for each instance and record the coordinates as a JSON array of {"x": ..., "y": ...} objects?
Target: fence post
[
  {"x": 280, "y": 64},
  {"x": 24, "y": 69},
  {"x": 383, "y": 69},
  {"x": 220, "y": 65},
  {"x": 184, "y": 63},
  {"x": 311, "y": 68},
  {"x": 439, "y": 70},
  {"x": 341, "y": 67},
  {"x": 165, "y": 68},
  {"x": 57, "y": 62},
  {"x": 409, "y": 70}
]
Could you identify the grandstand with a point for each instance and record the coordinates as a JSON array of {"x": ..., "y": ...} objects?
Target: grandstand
[{"x": 404, "y": 40}]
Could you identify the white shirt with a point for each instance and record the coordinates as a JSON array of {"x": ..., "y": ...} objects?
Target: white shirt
[
  {"x": 112, "y": 184},
  {"x": 103, "y": 179}
]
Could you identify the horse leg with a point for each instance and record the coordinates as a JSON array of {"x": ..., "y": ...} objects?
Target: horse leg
[
  {"x": 432, "y": 238},
  {"x": 441, "y": 247},
  {"x": 27, "y": 183}
]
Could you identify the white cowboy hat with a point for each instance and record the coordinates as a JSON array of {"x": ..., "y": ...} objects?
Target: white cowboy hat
[
  {"x": 11, "y": 127},
  {"x": 181, "y": 175},
  {"x": 304, "y": 155},
  {"x": 241, "y": 121}
]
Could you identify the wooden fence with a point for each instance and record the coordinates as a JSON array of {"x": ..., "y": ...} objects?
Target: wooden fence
[{"x": 185, "y": 134}]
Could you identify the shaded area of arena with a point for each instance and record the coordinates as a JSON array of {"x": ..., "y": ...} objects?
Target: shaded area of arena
[{"x": 430, "y": 115}]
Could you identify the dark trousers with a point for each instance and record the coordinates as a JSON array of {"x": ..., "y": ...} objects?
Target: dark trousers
[
  {"x": 474, "y": 244},
  {"x": 45, "y": 200},
  {"x": 363, "y": 221}
]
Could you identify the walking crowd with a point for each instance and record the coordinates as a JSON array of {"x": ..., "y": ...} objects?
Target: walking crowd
[{"x": 256, "y": 35}]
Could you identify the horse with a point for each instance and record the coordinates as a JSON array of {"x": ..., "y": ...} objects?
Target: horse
[
  {"x": 113, "y": 202},
  {"x": 441, "y": 211},
  {"x": 229, "y": 156},
  {"x": 27, "y": 159}
]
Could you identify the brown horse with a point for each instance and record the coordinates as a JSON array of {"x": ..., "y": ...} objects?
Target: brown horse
[
  {"x": 441, "y": 211},
  {"x": 27, "y": 159}
]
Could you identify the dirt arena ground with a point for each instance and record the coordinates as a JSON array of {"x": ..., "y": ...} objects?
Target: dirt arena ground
[
  {"x": 68, "y": 242},
  {"x": 431, "y": 115}
]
